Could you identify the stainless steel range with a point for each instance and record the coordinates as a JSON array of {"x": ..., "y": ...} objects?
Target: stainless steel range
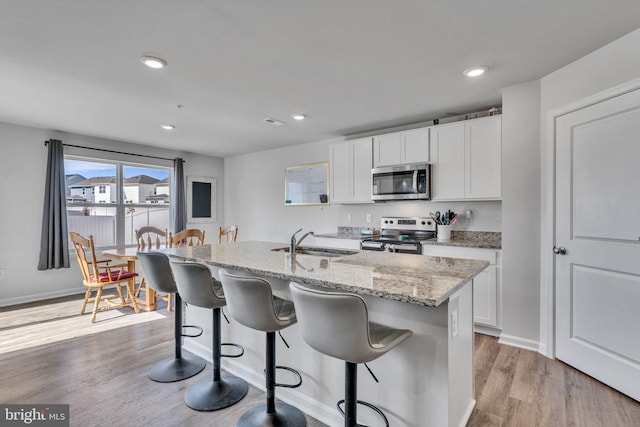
[{"x": 401, "y": 234}]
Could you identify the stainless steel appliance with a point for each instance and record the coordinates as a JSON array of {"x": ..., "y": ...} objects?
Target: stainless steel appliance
[
  {"x": 404, "y": 182},
  {"x": 401, "y": 234}
]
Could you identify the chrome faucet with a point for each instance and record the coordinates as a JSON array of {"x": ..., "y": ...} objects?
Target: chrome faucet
[{"x": 294, "y": 243}]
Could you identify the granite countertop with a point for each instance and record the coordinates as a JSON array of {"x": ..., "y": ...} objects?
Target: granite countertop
[
  {"x": 352, "y": 233},
  {"x": 415, "y": 279},
  {"x": 470, "y": 239}
]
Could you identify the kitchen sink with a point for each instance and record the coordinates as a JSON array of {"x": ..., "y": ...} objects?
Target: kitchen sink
[{"x": 323, "y": 252}]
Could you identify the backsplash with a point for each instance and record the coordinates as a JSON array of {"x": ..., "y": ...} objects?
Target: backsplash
[{"x": 350, "y": 232}]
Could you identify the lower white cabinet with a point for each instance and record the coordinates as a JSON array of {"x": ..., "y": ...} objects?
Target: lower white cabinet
[{"x": 487, "y": 287}]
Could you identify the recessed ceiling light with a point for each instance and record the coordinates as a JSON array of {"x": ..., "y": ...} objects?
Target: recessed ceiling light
[
  {"x": 475, "y": 71},
  {"x": 153, "y": 62},
  {"x": 299, "y": 116},
  {"x": 168, "y": 127}
]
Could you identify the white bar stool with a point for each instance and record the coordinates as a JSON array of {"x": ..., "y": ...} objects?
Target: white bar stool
[
  {"x": 199, "y": 289},
  {"x": 252, "y": 303},
  {"x": 337, "y": 324}
]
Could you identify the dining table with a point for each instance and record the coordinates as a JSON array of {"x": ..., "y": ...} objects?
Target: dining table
[{"x": 130, "y": 255}]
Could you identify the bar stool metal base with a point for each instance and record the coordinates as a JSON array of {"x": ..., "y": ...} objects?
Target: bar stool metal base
[
  {"x": 177, "y": 369},
  {"x": 284, "y": 416},
  {"x": 213, "y": 395},
  {"x": 368, "y": 405}
]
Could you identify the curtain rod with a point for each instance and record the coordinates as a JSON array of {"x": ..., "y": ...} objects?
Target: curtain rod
[{"x": 113, "y": 151}]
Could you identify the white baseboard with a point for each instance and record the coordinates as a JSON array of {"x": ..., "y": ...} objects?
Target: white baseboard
[
  {"x": 486, "y": 330},
  {"x": 326, "y": 414},
  {"x": 467, "y": 413},
  {"x": 544, "y": 350},
  {"x": 514, "y": 341},
  {"x": 5, "y": 302}
]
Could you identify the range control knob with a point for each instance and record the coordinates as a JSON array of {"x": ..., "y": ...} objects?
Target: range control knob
[{"x": 424, "y": 223}]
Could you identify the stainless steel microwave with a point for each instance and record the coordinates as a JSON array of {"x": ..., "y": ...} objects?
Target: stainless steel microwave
[{"x": 403, "y": 182}]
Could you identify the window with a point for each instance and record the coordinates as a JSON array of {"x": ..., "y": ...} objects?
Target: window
[{"x": 128, "y": 196}]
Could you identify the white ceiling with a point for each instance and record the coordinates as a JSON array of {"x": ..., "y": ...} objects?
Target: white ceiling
[{"x": 351, "y": 65}]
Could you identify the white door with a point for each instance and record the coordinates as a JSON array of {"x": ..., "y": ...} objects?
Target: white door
[{"x": 598, "y": 241}]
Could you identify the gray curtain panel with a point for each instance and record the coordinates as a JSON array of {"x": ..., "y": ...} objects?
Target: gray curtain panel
[
  {"x": 54, "y": 243},
  {"x": 179, "y": 199}
]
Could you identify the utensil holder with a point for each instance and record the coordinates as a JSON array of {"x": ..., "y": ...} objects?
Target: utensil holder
[{"x": 444, "y": 233}]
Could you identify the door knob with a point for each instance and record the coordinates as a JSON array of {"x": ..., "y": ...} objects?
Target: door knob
[{"x": 559, "y": 250}]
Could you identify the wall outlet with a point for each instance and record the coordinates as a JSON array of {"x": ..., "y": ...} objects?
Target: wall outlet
[
  {"x": 348, "y": 217},
  {"x": 1, "y": 273},
  {"x": 368, "y": 217}
]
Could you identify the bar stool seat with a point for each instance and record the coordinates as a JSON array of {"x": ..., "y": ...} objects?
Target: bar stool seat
[
  {"x": 199, "y": 289},
  {"x": 252, "y": 303},
  {"x": 337, "y": 324},
  {"x": 160, "y": 278}
]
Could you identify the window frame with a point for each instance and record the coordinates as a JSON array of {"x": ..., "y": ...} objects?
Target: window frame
[{"x": 121, "y": 206}]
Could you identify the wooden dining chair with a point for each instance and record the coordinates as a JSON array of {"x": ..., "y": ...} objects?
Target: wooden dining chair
[
  {"x": 149, "y": 237},
  {"x": 152, "y": 237},
  {"x": 187, "y": 237},
  {"x": 229, "y": 233},
  {"x": 98, "y": 274}
]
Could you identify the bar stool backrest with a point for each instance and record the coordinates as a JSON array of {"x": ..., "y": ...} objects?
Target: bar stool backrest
[
  {"x": 251, "y": 302},
  {"x": 157, "y": 271},
  {"x": 196, "y": 286},
  {"x": 333, "y": 323}
]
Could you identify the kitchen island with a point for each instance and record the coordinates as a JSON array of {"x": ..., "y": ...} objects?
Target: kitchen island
[{"x": 428, "y": 379}]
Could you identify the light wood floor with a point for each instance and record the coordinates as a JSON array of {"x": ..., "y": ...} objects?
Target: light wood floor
[
  {"x": 516, "y": 387},
  {"x": 103, "y": 376}
]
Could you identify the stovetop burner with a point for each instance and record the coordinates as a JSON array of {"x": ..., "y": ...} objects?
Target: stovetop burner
[{"x": 401, "y": 234}]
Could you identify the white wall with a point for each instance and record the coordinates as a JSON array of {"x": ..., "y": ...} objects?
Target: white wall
[
  {"x": 22, "y": 176},
  {"x": 605, "y": 68},
  {"x": 254, "y": 188},
  {"x": 521, "y": 213}
]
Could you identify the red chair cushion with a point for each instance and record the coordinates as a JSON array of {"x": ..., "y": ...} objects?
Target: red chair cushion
[{"x": 104, "y": 277}]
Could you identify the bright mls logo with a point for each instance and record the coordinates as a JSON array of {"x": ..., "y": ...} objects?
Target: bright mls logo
[{"x": 34, "y": 415}]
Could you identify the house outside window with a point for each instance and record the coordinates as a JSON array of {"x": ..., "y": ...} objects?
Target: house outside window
[{"x": 122, "y": 199}]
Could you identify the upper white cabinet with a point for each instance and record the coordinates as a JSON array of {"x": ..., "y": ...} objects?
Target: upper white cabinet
[
  {"x": 411, "y": 146},
  {"x": 351, "y": 171},
  {"x": 415, "y": 146},
  {"x": 386, "y": 149},
  {"x": 466, "y": 159},
  {"x": 447, "y": 161}
]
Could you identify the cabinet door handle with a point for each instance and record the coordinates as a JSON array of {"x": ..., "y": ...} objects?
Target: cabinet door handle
[{"x": 559, "y": 250}]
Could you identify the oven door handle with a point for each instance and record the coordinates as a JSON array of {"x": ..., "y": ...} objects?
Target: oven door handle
[
  {"x": 371, "y": 245},
  {"x": 407, "y": 248}
]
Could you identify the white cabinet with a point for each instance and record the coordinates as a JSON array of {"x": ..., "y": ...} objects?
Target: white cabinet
[
  {"x": 386, "y": 149},
  {"x": 411, "y": 146},
  {"x": 487, "y": 287},
  {"x": 415, "y": 146},
  {"x": 351, "y": 171},
  {"x": 447, "y": 161},
  {"x": 466, "y": 159}
]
